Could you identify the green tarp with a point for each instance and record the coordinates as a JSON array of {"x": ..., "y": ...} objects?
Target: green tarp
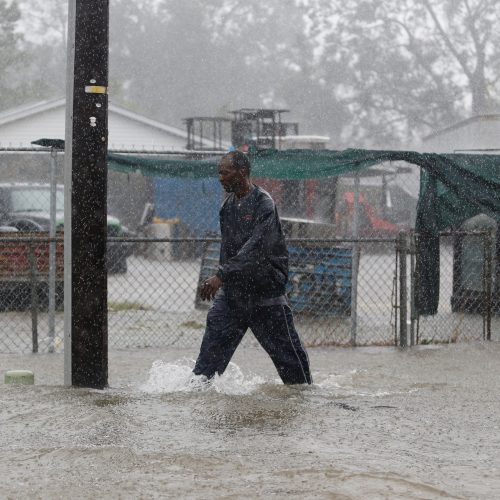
[
  {"x": 289, "y": 164},
  {"x": 453, "y": 188}
]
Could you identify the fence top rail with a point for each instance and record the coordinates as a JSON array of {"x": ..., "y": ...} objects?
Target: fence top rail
[
  {"x": 28, "y": 239},
  {"x": 288, "y": 240},
  {"x": 464, "y": 232},
  {"x": 124, "y": 239},
  {"x": 141, "y": 239}
]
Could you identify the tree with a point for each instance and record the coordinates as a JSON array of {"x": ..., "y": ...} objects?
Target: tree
[
  {"x": 409, "y": 66},
  {"x": 278, "y": 43},
  {"x": 365, "y": 72},
  {"x": 12, "y": 57},
  {"x": 170, "y": 61},
  {"x": 179, "y": 59},
  {"x": 45, "y": 21},
  {"x": 44, "y": 27}
]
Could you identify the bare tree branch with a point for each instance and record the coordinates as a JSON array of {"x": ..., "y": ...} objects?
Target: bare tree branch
[{"x": 458, "y": 56}]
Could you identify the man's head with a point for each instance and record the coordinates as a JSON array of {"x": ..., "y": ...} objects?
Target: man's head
[{"x": 234, "y": 172}]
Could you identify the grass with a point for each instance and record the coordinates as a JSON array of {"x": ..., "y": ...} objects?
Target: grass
[
  {"x": 127, "y": 306},
  {"x": 193, "y": 324}
]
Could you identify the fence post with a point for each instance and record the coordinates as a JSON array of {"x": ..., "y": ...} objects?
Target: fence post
[
  {"x": 403, "y": 292},
  {"x": 355, "y": 262},
  {"x": 34, "y": 298},
  {"x": 413, "y": 315},
  {"x": 354, "y": 292},
  {"x": 52, "y": 250},
  {"x": 488, "y": 279}
]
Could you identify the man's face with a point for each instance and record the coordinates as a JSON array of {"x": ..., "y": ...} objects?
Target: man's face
[{"x": 230, "y": 177}]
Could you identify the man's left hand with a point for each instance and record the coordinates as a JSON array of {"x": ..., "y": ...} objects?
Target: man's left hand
[{"x": 210, "y": 287}]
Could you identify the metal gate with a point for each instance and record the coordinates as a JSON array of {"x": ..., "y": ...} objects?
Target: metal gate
[{"x": 467, "y": 290}]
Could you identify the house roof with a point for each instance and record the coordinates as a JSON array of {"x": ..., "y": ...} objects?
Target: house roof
[
  {"x": 463, "y": 123},
  {"x": 12, "y": 115},
  {"x": 25, "y": 110}
]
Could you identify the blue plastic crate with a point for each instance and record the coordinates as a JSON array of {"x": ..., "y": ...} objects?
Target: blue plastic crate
[{"x": 319, "y": 278}]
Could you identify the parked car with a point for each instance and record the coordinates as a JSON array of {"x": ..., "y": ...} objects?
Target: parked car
[{"x": 26, "y": 207}]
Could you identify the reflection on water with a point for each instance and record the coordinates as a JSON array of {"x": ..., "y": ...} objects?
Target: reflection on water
[{"x": 377, "y": 423}]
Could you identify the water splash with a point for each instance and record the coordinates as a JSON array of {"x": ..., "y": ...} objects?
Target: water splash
[{"x": 178, "y": 377}]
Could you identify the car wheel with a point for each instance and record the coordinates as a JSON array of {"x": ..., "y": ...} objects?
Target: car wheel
[{"x": 26, "y": 225}]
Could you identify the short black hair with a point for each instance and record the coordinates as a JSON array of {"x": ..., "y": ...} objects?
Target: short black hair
[{"x": 239, "y": 160}]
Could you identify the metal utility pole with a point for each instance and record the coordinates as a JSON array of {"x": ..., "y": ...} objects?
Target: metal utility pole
[
  {"x": 85, "y": 280},
  {"x": 355, "y": 261},
  {"x": 55, "y": 146},
  {"x": 52, "y": 249},
  {"x": 403, "y": 292}
]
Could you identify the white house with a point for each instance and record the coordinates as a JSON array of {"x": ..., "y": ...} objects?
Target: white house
[
  {"x": 479, "y": 134},
  {"x": 127, "y": 130}
]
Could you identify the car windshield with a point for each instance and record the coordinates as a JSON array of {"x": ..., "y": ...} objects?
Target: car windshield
[{"x": 35, "y": 200}]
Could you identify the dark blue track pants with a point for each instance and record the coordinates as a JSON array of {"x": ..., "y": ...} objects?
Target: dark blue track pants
[{"x": 272, "y": 325}]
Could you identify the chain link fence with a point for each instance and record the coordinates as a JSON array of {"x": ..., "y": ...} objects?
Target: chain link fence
[
  {"x": 155, "y": 301},
  {"x": 469, "y": 291},
  {"x": 347, "y": 282}
]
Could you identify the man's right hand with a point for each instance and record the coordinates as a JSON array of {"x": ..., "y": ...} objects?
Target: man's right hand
[{"x": 210, "y": 288}]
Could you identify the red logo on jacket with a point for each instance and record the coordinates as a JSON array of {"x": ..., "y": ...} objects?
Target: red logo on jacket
[{"x": 248, "y": 217}]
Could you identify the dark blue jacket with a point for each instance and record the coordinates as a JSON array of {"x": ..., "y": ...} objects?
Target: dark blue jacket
[{"x": 253, "y": 258}]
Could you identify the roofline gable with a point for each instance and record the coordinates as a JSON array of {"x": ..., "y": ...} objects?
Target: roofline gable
[
  {"x": 463, "y": 123},
  {"x": 147, "y": 121},
  {"x": 24, "y": 111},
  {"x": 20, "y": 112}
]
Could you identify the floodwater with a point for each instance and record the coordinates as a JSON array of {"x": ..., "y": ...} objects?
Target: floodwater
[{"x": 422, "y": 423}]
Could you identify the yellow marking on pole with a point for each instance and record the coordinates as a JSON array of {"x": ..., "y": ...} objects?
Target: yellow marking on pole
[{"x": 95, "y": 89}]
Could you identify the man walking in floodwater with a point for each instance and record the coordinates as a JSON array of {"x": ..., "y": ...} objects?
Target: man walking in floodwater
[{"x": 249, "y": 287}]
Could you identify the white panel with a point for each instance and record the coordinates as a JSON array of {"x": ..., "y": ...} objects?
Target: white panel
[
  {"x": 478, "y": 134},
  {"x": 128, "y": 134},
  {"x": 124, "y": 133},
  {"x": 49, "y": 124}
]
